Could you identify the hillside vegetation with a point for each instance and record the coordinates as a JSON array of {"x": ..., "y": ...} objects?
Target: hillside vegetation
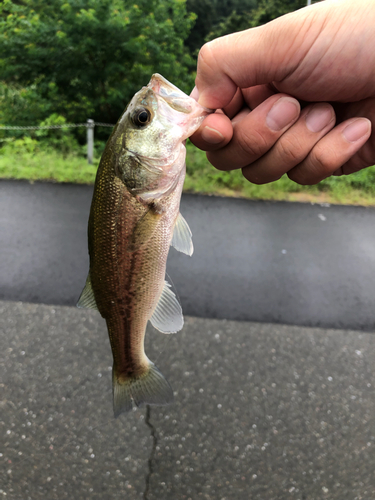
[{"x": 65, "y": 61}]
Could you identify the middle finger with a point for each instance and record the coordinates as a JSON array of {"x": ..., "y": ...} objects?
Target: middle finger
[{"x": 255, "y": 132}]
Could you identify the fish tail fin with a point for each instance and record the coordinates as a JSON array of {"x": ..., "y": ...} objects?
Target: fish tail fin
[{"x": 150, "y": 388}]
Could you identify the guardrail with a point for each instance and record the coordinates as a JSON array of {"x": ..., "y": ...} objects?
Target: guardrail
[{"x": 90, "y": 125}]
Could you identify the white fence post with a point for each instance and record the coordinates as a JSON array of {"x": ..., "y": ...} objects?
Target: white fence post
[{"x": 90, "y": 140}]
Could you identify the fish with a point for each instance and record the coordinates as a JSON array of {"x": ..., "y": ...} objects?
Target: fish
[{"x": 134, "y": 219}]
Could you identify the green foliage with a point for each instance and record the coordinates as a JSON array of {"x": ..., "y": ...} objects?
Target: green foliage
[
  {"x": 201, "y": 177},
  {"x": 32, "y": 159},
  {"x": 233, "y": 23},
  {"x": 24, "y": 145},
  {"x": 262, "y": 13},
  {"x": 67, "y": 60},
  {"x": 86, "y": 58},
  {"x": 210, "y": 15},
  {"x": 268, "y": 10},
  {"x": 60, "y": 139},
  {"x": 22, "y": 106}
]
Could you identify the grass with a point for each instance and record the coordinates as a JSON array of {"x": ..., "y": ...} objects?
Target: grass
[
  {"x": 27, "y": 160},
  {"x": 354, "y": 189},
  {"x": 47, "y": 166}
]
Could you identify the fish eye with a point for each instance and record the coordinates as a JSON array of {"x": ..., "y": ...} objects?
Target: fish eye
[{"x": 141, "y": 117}]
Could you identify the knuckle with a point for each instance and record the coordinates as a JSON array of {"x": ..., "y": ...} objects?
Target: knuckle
[
  {"x": 290, "y": 150},
  {"x": 206, "y": 56},
  {"x": 219, "y": 161},
  {"x": 321, "y": 163},
  {"x": 252, "y": 145},
  {"x": 325, "y": 161}
]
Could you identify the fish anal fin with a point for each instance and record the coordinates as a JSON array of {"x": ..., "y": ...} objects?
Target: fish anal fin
[
  {"x": 152, "y": 388},
  {"x": 87, "y": 298},
  {"x": 181, "y": 239},
  {"x": 167, "y": 316}
]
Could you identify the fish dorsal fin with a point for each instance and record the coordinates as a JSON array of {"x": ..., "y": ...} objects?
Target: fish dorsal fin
[
  {"x": 167, "y": 316},
  {"x": 181, "y": 239},
  {"x": 87, "y": 299}
]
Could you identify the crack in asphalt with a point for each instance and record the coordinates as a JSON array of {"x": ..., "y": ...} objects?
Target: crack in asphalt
[{"x": 152, "y": 454}]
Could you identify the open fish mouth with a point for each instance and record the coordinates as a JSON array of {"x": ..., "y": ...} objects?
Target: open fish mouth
[
  {"x": 173, "y": 96},
  {"x": 134, "y": 219},
  {"x": 164, "y": 88}
]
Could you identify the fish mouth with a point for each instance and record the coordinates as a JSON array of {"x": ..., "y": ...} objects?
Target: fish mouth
[
  {"x": 164, "y": 88},
  {"x": 173, "y": 96}
]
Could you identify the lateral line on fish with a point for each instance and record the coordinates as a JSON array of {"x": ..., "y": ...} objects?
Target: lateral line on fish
[{"x": 140, "y": 177}]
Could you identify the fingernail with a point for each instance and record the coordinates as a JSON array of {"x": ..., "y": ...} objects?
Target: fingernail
[
  {"x": 195, "y": 93},
  {"x": 211, "y": 135},
  {"x": 357, "y": 129},
  {"x": 318, "y": 118},
  {"x": 284, "y": 111}
]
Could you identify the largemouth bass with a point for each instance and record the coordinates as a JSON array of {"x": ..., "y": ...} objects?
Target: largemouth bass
[{"x": 134, "y": 219}]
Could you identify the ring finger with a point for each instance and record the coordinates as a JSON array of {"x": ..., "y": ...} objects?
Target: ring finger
[{"x": 293, "y": 146}]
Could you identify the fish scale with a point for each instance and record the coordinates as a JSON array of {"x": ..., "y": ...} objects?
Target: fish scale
[{"x": 134, "y": 218}]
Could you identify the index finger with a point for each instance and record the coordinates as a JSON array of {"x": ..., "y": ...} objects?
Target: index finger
[{"x": 252, "y": 57}]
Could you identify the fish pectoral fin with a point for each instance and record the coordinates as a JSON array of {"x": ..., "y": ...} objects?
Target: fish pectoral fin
[
  {"x": 145, "y": 228},
  {"x": 181, "y": 239},
  {"x": 167, "y": 316},
  {"x": 87, "y": 299}
]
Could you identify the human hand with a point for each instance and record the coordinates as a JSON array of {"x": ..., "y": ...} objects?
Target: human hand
[{"x": 320, "y": 58}]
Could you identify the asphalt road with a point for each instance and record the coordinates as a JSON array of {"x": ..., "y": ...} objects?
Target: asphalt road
[
  {"x": 286, "y": 263},
  {"x": 261, "y": 412}
]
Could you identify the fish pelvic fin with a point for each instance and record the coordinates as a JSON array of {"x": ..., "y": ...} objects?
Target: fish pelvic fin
[{"x": 150, "y": 388}]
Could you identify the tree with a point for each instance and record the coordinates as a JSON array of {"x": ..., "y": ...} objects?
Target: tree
[
  {"x": 86, "y": 58},
  {"x": 211, "y": 14},
  {"x": 245, "y": 18}
]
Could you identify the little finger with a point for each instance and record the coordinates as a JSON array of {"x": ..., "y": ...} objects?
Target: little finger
[{"x": 332, "y": 151}]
